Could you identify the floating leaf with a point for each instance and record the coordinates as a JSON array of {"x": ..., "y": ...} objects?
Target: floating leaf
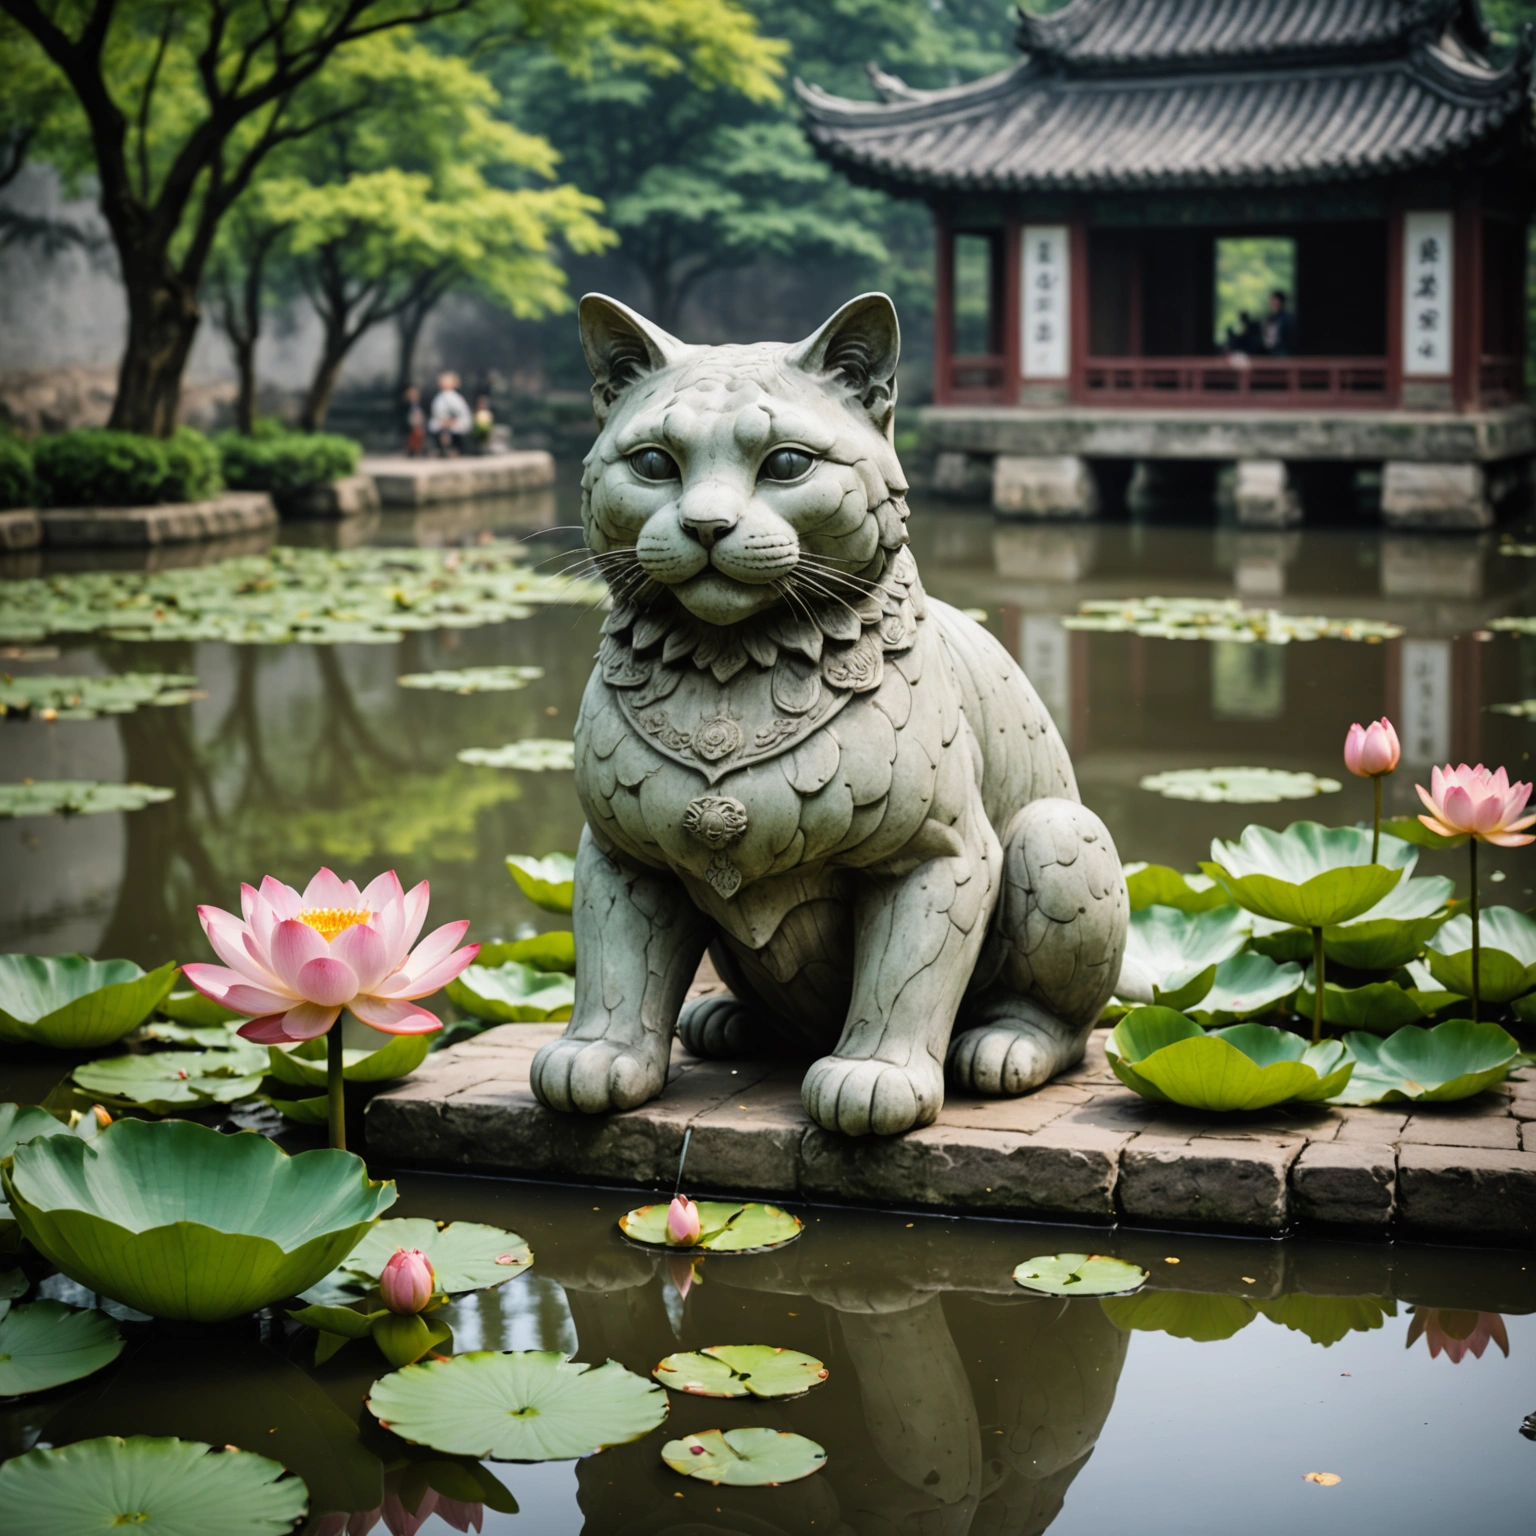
[
  {"x": 1379, "y": 1007},
  {"x": 1395, "y": 930},
  {"x": 25, "y": 1122},
  {"x": 549, "y": 883},
  {"x": 1080, "y": 1274},
  {"x": 1238, "y": 786},
  {"x": 1525, "y": 709},
  {"x": 166, "y": 1081},
  {"x": 473, "y": 679},
  {"x": 1157, "y": 885},
  {"x": 524, "y": 1405},
  {"x": 76, "y": 797},
  {"x": 315, "y": 1110},
  {"x": 45, "y": 1344},
  {"x": 745, "y": 1458},
  {"x": 304, "y": 1066},
  {"x": 213, "y": 1037},
  {"x": 1171, "y": 956},
  {"x": 84, "y": 698},
  {"x": 1454, "y": 1060},
  {"x": 1244, "y": 986},
  {"x": 1201, "y": 618},
  {"x": 1410, "y": 829},
  {"x": 72, "y": 1003},
  {"x": 1309, "y": 875},
  {"x": 465, "y": 1255},
  {"x": 533, "y": 755},
  {"x": 196, "y": 1011},
  {"x": 1506, "y": 965},
  {"x": 178, "y": 1487},
  {"x": 173, "y": 1219},
  {"x": 728, "y": 1226},
  {"x": 513, "y": 993},
  {"x": 741, "y": 1370},
  {"x": 555, "y": 951}
]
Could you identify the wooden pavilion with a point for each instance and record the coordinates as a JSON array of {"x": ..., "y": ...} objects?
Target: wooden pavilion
[{"x": 1091, "y": 186}]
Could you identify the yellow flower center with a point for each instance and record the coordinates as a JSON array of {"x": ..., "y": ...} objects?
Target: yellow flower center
[{"x": 329, "y": 921}]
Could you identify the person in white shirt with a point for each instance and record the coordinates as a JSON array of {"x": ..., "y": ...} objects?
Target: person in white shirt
[{"x": 451, "y": 420}]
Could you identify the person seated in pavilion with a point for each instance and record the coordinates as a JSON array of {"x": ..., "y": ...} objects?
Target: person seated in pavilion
[{"x": 1279, "y": 327}]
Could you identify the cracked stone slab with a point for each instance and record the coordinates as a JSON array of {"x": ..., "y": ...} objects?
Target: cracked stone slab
[
  {"x": 1209, "y": 1182},
  {"x": 1471, "y": 1193},
  {"x": 1353, "y": 1184}
]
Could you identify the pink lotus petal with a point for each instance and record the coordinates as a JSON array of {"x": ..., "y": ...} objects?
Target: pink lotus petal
[
  {"x": 294, "y": 944},
  {"x": 1354, "y": 748},
  {"x": 381, "y": 891},
  {"x": 330, "y": 982},
  {"x": 416, "y": 902},
  {"x": 458, "y": 1514},
  {"x": 248, "y": 897},
  {"x": 394, "y": 1016},
  {"x": 1522, "y": 824},
  {"x": 1439, "y": 828},
  {"x": 273, "y": 1030},
  {"x": 284, "y": 900},
  {"x": 362, "y": 948},
  {"x": 1510, "y": 839},
  {"x": 229, "y": 989},
  {"x": 438, "y": 976},
  {"x": 328, "y": 890},
  {"x": 436, "y": 946},
  {"x": 1458, "y": 810},
  {"x": 304, "y": 1021},
  {"x": 230, "y": 939}
]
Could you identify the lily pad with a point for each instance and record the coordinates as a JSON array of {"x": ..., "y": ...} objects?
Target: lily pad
[
  {"x": 1309, "y": 875},
  {"x": 1244, "y": 986},
  {"x": 554, "y": 951},
  {"x": 473, "y": 679},
  {"x": 741, "y": 1370},
  {"x": 72, "y": 1003},
  {"x": 173, "y": 1219},
  {"x": 745, "y": 1458},
  {"x": 549, "y": 883},
  {"x": 1157, "y": 885},
  {"x": 533, "y": 755},
  {"x": 1171, "y": 956},
  {"x": 465, "y": 1255},
  {"x": 1204, "y": 618},
  {"x": 1379, "y": 1007},
  {"x": 84, "y": 698},
  {"x": 1080, "y": 1274},
  {"x": 1454, "y": 1060},
  {"x": 1164, "y": 1056},
  {"x": 513, "y": 993},
  {"x": 1280, "y": 941},
  {"x": 195, "y": 1011},
  {"x": 727, "y": 1226},
  {"x": 304, "y": 1066},
  {"x": 212, "y": 1037},
  {"x": 1411, "y": 830},
  {"x": 25, "y": 1122},
  {"x": 178, "y": 1487},
  {"x": 44, "y": 1344},
  {"x": 523, "y": 1405},
  {"x": 315, "y": 1110},
  {"x": 76, "y": 797},
  {"x": 164, "y": 1082},
  {"x": 1238, "y": 786},
  {"x": 1507, "y": 963},
  {"x": 1395, "y": 930}
]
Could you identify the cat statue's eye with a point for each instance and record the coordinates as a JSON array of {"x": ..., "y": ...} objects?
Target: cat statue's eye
[
  {"x": 785, "y": 464},
  {"x": 654, "y": 464}
]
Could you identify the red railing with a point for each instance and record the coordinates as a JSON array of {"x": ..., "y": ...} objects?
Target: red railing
[
  {"x": 1501, "y": 380},
  {"x": 1253, "y": 383},
  {"x": 979, "y": 380}
]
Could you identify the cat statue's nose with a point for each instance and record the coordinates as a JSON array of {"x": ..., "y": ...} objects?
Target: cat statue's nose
[{"x": 709, "y": 511}]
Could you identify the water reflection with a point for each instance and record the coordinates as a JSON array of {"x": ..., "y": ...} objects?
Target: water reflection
[{"x": 1457, "y": 1334}]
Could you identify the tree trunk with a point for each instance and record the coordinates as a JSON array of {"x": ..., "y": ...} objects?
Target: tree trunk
[
  {"x": 245, "y": 400},
  {"x": 408, "y": 327},
  {"x": 317, "y": 402},
  {"x": 163, "y": 317}
]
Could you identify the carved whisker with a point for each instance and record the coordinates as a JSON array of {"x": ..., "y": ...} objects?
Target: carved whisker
[{"x": 811, "y": 585}]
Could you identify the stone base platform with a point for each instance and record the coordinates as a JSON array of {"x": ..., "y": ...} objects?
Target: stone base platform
[
  {"x": 180, "y": 522},
  {"x": 404, "y": 482},
  {"x": 1082, "y": 1148},
  {"x": 20, "y": 529},
  {"x": 350, "y": 496}
]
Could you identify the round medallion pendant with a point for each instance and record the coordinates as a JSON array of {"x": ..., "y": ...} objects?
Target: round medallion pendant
[{"x": 717, "y": 820}]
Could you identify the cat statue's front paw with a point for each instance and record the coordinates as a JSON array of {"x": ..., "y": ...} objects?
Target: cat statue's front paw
[
  {"x": 870, "y": 1097},
  {"x": 594, "y": 1077}
]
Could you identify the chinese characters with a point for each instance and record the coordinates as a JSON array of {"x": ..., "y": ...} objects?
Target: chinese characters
[
  {"x": 1427, "y": 294},
  {"x": 1045, "y": 308}
]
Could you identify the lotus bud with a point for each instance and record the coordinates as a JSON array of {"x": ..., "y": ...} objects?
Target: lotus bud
[
  {"x": 1372, "y": 750},
  {"x": 683, "y": 1224},
  {"x": 407, "y": 1282},
  {"x": 103, "y": 1119}
]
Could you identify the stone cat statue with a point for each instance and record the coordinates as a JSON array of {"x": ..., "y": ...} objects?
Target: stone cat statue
[{"x": 791, "y": 755}]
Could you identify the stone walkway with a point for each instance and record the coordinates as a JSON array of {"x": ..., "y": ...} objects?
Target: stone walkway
[
  {"x": 404, "y": 482},
  {"x": 1084, "y": 1147}
]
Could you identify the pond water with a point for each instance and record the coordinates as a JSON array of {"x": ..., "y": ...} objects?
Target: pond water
[{"x": 955, "y": 1403}]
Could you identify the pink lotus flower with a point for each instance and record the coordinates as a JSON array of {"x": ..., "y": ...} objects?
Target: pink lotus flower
[
  {"x": 296, "y": 961},
  {"x": 407, "y": 1281},
  {"x": 399, "y": 1520},
  {"x": 1371, "y": 750},
  {"x": 1459, "y": 1334},
  {"x": 683, "y": 1224},
  {"x": 1475, "y": 802}
]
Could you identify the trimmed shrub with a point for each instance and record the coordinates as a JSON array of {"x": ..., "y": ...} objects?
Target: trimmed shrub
[
  {"x": 285, "y": 463},
  {"x": 95, "y": 467},
  {"x": 17, "y": 486}
]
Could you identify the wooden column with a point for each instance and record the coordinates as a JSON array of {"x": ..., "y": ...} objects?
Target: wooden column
[
  {"x": 1467, "y": 362},
  {"x": 943, "y": 310},
  {"x": 1013, "y": 312},
  {"x": 1077, "y": 237},
  {"x": 1395, "y": 306}
]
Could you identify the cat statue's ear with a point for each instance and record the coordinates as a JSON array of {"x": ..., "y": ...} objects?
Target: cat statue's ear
[
  {"x": 621, "y": 347},
  {"x": 861, "y": 344}
]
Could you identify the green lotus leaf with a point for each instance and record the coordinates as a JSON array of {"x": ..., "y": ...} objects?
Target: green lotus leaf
[
  {"x": 304, "y": 1065},
  {"x": 164, "y": 1082},
  {"x": 1202, "y": 1317},
  {"x": 1245, "y": 1067},
  {"x": 1395, "y": 930},
  {"x": 728, "y": 1226},
  {"x": 554, "y": 951},
  {"x": 45, "y": 1344},
  {"x": 1238, "y": 786},
  {"x": 523, "y": 1405},
  {"x": 72, "y": 1003},
  {"x": 404, "y": 1339},
  {"x": 1171, "y": 956},
  {"x": 202, "y": 1037},
  {"x": 1507, "y": 963},
  {"x": 173, "y": 1219},
  {"x": 1379, "y": 1007},
  {"x": 465, "y": 1255},
  {"x": 315, "y": 1110},
  {"x": 1079, "y": 1274},
  {"x": 77, "y": 797},
  {"x": 1244, "y": 986},
  {"x": 84, "y": 698},
  {"x": 745, "y": 1458},
  {"x": 1411, "y": 830},
  {"x": 549, "y": 883},
  {"x": 1327, "y": 1319},
  {"x": 178, "y": 1487},
  {"x": 1421, "y": 985},
  {"x": 1157, "y": 885},
  {"x": 1454, "y": 1060},
  {"x": 513, "y": 993},
  {"x": 25, "y": 1122},
  {"x": 473, "y": 679},
  {"x": 1524, "y": 1008},
  {"x": 741, "y": 1370},
  {"x": 1308, "y": 876},
  {"x": 533, "y": 755},
  {"x": 196, "y": 1011},
  {"x": 1280, "y": 941}
]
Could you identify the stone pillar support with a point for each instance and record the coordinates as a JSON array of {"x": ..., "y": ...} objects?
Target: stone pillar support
[
  {"x": 1264, "y": 495},
  {"x": 1058, "y": 486},
  {"x": 1453, "y": 497}
]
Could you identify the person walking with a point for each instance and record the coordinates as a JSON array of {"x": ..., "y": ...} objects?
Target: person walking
[{"x": 451, "y": 421}]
